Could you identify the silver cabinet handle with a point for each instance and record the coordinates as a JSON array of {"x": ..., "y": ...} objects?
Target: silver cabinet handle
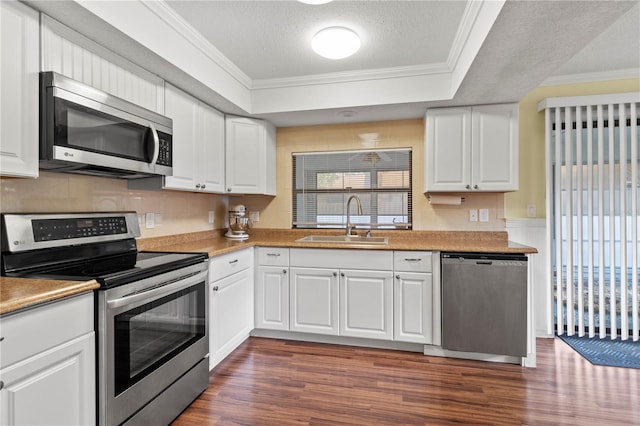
[
  {"x": 203, "y": 186},
  {"x": 412, "y": 259},
  {"x": 215, "y": 288},
  {"x": 335, "y": 274},
  {"x": 468, "y": 187},
  {"x": 273, "y": 254},
  {"x": 475, "y": 187},
  {"x": 228, "y": 189},
  {"x": 398, "y": 277},
  {"x": 342, "y": 274},
  {"x": 1, "y": 338},
  {"x": 197, "y": 186},
  {"x": 1, "y": 384},
  {"x": 284, "y": 271},
  {"x": 233, "y": 261}
]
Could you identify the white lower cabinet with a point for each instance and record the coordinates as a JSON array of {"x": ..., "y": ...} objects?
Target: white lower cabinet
[
  {"x": 47, "y": 369},
  {"x": 230, "y": 304},
  {"x": 382, "y": 294},
  {"x": 314, "y": 301},
  {"x": 416, "y": 299},
  {"x": 272, "y": 297},
  {"x": 366, "y": 304},
  {"x": 272, "y": 288}
]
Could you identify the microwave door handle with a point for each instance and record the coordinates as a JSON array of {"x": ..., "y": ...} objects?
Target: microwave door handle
[{"x": 156, "y": 145}]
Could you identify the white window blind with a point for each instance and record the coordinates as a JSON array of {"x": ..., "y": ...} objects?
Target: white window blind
[
  {"x": 324, "y": 181},
  {"x": 593, "y": 157}
]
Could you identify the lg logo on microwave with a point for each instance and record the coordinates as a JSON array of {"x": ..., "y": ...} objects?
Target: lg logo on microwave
[
  {"x": 68, "y": 154},
  {"x": 18, "y": 242}
]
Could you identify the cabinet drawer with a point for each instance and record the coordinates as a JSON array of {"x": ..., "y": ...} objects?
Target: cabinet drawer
[
  {"x": 413, "y": 261},
  {"x": 33, "y": 331},
  {"x": 230, "y": 263},
  {"x": 273, "y": 256}
]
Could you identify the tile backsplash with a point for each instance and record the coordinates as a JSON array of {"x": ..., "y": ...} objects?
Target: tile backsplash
[{"x": 64, "y": 192}]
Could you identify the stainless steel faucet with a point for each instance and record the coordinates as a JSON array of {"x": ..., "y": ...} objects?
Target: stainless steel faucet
[{"x": 350, "y": 227}]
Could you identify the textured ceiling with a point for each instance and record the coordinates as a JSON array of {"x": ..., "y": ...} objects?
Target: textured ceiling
[
  {"x": 272, "y": 39},
  {"x": 529, "y": 44}
]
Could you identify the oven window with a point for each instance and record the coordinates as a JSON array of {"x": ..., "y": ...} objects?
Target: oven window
[{"x": 148, "y": 336}]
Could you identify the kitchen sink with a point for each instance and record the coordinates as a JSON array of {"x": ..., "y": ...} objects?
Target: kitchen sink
[{"x": 344, "y": 239}]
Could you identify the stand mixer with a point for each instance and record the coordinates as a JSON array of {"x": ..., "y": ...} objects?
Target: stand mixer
[{"x": 238, "y": 223}]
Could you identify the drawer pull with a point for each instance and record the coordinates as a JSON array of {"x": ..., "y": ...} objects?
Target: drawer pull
[
  {"x": 398, "y": 277},
  {"x": 284, "y": 271},
  {"x": 1, "y": 384},
  {"x": 233, "y": 261},
  {"x": 1, "y": 338},
  {"x": 414, "y": 259},
  {"x": 273, "y": 254},
  {"x": 215, "y": 288}
]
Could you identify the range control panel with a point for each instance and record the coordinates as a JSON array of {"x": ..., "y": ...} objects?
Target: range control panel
[{"x": 62, "y": 229}]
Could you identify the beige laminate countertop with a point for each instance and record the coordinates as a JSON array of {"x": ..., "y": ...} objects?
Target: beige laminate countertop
[
  {"x": 21, "y": 293},
  {"x": 214, "y": 244}
]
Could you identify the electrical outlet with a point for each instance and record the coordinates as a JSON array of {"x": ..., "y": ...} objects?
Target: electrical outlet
[
  {"x": 473, "y": 215},
  {"x": 158, "y": 219},
  {"x": 531, "y": 210},
  {"x": 150, "y": 220},
  {"x": 141, "y": 220},
  {"x": 254, "y": 216},
  {"x": 484, "y": 215},
  {"x": 211, "y": 216}
]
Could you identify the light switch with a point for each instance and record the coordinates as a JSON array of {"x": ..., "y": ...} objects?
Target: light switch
[
  {"x": 484, "y": 215},
  {"x": 254, "y": 216},
  {"x": 531, "y": 210},
  {"x": 211, "y": 216},
  {"x": 473, "y": 215}
]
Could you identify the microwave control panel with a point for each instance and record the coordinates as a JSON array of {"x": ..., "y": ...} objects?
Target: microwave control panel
[{"x": 164, "y": 153}]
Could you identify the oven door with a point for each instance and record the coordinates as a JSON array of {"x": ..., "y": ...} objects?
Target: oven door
[{"x": 152, "y": 332}]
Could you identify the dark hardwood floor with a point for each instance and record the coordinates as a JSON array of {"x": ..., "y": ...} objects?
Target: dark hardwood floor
[{"x": 277, "y": 382}]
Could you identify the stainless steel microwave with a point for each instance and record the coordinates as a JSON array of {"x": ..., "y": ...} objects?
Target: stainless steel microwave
[{"x": 84, "y": 130}]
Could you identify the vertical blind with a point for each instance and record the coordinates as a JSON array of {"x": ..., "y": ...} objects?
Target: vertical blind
[
  {"x": 592, "y": 162},
  {"x": 324, "y": 181}
]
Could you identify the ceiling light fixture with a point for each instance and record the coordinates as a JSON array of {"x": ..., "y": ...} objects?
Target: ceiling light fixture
[
  {"x": 335, "y": 42},
  {"x": 315, "y": 1}
]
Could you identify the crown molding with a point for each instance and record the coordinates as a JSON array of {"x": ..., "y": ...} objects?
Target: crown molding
[
  {"x": 175, "y": 21},
  {"x": 591, "y": 77},
  {"x": 351, "y": 76},
  {"x": 469, "y": 17}
]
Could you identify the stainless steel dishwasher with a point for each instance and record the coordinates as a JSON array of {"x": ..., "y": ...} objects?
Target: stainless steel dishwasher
[{"x": 484, "y": 303}]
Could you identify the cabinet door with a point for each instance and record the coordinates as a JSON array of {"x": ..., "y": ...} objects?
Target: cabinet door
[
  {"x": 54, "y": 387},
  {"x": 494, "y": 149},
  {"x": 211, "y": 156},
  {"x": 272, "y": 298},
  {"x": 183, "y": 110},
  {"x": 313, "y": 301},
  {"x": 246, "y": 156},
  {"x": 230, "y": 314},
  {"x": 448, "y": 149},
  {"x": 366, "y": 304},
  {"x": 413, "y": 307},
  {"x": 19, "y": 67}
]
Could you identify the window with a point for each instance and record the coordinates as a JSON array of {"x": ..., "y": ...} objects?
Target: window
[{"x": 324, "y": 181}]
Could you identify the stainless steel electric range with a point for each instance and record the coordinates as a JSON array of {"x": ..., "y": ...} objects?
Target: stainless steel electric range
[{"x": 151, "y": 309}]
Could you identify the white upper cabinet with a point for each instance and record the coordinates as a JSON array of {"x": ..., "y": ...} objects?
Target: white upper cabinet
[
  {"x": 250, "y": 156},
  {"x": 472, "y": 149},
  {"x": 198, "y": 144},
  {"x": 19, "y": 67}
]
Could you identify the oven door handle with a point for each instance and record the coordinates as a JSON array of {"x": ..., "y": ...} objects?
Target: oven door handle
[{"x": 157, "y": 291}]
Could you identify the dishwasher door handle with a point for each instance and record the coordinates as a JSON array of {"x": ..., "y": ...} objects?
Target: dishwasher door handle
[{"x": 484, "y": 262}]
